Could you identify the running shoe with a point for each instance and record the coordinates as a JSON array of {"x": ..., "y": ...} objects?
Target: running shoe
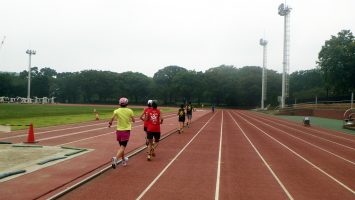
[
  {"x": 114, "y": 162},
  {"x": 124, "y": 161},
  {"x": 149, "y": 157}
]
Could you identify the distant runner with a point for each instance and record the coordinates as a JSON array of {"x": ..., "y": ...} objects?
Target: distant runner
[
  {"x": 124, "y": 118},
  {"x": 181, "y": 116},
  {"x": 189, "y": 109},
  {"x": 155, "y": 119}
]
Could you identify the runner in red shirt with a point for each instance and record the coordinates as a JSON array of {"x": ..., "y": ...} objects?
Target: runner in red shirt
[
  {"x": 154, "y": 120},
  {"x": 143, "y": 117}
]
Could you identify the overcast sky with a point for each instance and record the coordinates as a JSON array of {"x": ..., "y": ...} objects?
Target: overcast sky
[{"x": 147, "y": 35}]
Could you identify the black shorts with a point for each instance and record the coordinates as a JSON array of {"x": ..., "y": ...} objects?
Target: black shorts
[
  {"x": 123, "y": 143},
  {"x": 155, "y": 135},
  {"x": 181, "y": 119}
]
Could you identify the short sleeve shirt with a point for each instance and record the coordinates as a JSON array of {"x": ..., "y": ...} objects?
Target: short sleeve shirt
[
  {"x": 154, "y": 120},
  {"x": 181, "y": 113},
  {"x": 145, "y": 115},
  {"x": 124, "y": 117},
  {"x": 189, "y": 109}
]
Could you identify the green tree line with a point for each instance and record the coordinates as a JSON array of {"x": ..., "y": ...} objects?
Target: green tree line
[{"x": 172, "y": 85}]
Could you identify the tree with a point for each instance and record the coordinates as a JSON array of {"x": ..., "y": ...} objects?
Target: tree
[
  {"x": 219, "y": 83},
  {"x": 337, "y": 62},
  {"x": 164, "y": 80},
  {"x": 307, "y": 84},
  {"x": 69, "y": 90},
  {"x": 135, "y": 86}
]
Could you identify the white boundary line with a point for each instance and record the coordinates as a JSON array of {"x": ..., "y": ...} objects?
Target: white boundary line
[
  {"x": 310, "y": 134},
  {"x": 304, "y": 159},
  {"x": 216, "y": 197},
  {"x": 264, "y": 161},
  {"x": 303, "y": 141},
  {"x": 171, "y": 162}
]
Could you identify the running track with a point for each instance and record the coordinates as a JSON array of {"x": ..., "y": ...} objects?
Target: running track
[
  {"x": 236, "y": 155},
  {"x": 233, "y": 154},
  {"x": 94, "y": 135}
]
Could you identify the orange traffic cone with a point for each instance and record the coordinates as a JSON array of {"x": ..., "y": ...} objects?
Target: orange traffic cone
[
  {"x": 31, "y": 135},
  {"x": 97, "y": 116}
]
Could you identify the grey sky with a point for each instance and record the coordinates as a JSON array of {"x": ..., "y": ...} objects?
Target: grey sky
[{"x": 147, "y": 35}]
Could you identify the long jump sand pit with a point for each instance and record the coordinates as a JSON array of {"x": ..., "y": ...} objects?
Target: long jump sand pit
[{"x": 19, "y": 159}]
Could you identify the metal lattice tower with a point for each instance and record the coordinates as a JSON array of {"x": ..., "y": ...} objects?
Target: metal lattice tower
[
  {"x": 264, "y": 75},
  {"x": 284, "y": 10}
]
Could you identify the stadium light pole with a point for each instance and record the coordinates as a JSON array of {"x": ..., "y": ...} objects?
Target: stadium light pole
[
  {"x": 30, "y": 53},
  {"x": 284, "y": 11},
  {"x": 263, "y": 79}
]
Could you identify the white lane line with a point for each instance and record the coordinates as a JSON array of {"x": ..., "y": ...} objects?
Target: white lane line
[
  {"x": 351, "y": 162},
  {"x": 310, "y": 128},
  {"x": 69, "y": 128},
  {"x": 92, "y": 137},
  {"x": 85, "y": 139},
  {"x": 216, "y": 197},
  {"x": 307, "y": 161},
  {"x": 264, "y": 161},
  {"x": 103, "y": 134},
  {"x": 70, "y": 134},
  {"x": 171, "y": 162},
  {"x": 63, "y": 129},
  {"x": 310, "y": 134},
  {"x": 75, "y": 133}
]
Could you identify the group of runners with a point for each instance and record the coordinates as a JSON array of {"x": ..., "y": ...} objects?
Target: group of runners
[{"x": 152, "y": 120}]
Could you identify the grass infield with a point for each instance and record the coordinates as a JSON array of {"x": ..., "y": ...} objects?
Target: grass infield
[
  {"x": 333, "y": 124},
  {"x": 50, "y": 115}
]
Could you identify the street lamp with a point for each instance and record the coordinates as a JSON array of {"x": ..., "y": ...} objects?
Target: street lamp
[{"x": 30, "y": 53}]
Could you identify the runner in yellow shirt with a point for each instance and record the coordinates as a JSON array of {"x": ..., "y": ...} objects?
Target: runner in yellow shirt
[{"x": 124, "y": 117}]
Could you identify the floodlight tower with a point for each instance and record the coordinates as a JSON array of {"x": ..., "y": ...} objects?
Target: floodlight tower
[
  {"x": 30, "y": 53},
  {"x": 284, "y": 10},
  {"x": 263, "y": 79}
]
